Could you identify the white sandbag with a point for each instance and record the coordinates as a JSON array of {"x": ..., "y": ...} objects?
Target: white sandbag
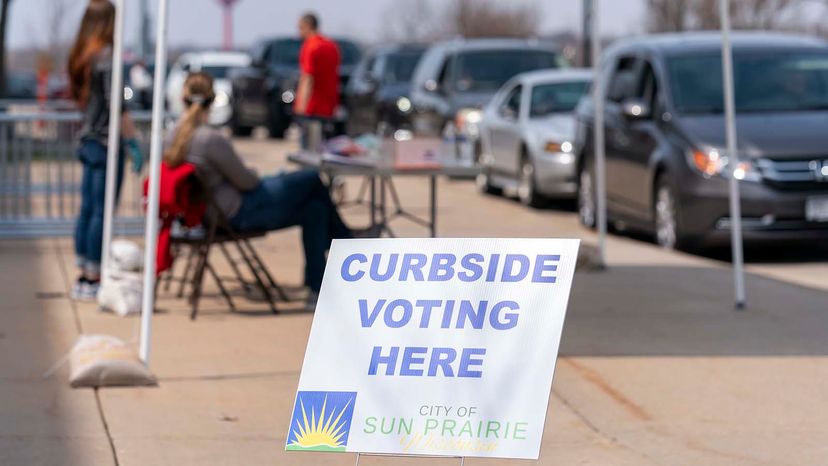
[
  {"x": 105, "y": 361},
  {"x": 121, "y": 293},
  {"x": 126, "y": 256}
]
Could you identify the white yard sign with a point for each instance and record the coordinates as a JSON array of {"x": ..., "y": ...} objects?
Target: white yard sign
[{"x": 434, "y": 347}]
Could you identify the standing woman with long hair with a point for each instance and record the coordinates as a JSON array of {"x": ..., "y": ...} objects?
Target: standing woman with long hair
[{"x": 90, "y": 82}]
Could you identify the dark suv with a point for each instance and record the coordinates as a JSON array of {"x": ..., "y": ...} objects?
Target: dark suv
[
  {"x": 378, "y": 94},
  {"x": 263, "y": 93},
  {"x": 667, "y": 169},
  {"x": 455, "y": 79}
]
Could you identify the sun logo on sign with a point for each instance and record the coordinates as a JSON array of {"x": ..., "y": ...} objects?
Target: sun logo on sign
[{"x": 321, "y": 421}]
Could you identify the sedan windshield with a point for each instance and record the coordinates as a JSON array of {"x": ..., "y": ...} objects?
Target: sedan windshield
[
  {"x": 488, "y": 70},
  {"x": 399, "y": 68},
  {"x": 217, "y": 72},
  {"x": 556, "y": 98},
  {"x": 763, "y": 82}
]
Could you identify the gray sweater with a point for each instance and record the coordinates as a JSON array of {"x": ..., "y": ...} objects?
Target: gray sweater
[
  {"x": 220, "y": 168},
  {"x": 96, "y": 112}
]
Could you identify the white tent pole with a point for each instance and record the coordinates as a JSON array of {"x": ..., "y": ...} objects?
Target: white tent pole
[
  {"x": 733, "y": 157},
  {"x": 151, "y": 232},
  {"x": 598, "y": 133},
  {"x": 114, "y": 141}
]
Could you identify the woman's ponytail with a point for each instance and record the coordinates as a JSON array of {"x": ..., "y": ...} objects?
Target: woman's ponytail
[{"x": 198, "y": 96}]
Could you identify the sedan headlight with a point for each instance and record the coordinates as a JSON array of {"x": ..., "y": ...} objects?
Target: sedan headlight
[
  {"x": 222, "y": 99},
  {"x": 713, "y": 163}
]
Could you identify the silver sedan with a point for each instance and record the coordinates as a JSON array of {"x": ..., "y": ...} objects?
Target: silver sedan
[{"x": 527, "y": 132}]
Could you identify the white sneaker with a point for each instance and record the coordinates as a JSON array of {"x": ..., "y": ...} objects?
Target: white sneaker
[{"x": 85, "y": 291}]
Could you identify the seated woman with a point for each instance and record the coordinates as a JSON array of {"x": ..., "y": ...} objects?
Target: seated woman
[{"x": 249, "y": 202}]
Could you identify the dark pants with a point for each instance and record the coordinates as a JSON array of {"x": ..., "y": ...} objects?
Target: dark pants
[
  {"x": 89, "y": 227},
  {"x": 291, "y": 199},
  {"x": 304, "y": 121}
]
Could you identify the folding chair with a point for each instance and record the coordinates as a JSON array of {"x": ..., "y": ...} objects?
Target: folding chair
[{"x": 217, "y": 231}]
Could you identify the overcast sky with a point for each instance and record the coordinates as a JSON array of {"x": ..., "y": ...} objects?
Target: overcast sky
[{"x": 199, "y": 22}]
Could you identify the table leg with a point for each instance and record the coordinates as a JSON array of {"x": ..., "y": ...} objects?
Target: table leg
[
  {"x": 383, "y": 213},
  {"x": 373, "y": 201},
  {"x": 433, "y": 203}
]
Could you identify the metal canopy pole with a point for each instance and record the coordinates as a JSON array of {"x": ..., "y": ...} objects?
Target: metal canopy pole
[
  {"x": 151, "y": 232},
  {"x": 733, "y": 158},
  {"x": 114, "y": 141},
  {"x": 598, "y": 134}
]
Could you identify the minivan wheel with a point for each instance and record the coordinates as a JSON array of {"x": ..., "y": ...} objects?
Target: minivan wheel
[
  {"x": 527, "y": 188},
  {"x": 586, "y": 197},
  {"x": 666, "y": 223}
]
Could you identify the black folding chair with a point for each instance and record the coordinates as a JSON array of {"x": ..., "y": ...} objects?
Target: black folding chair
[{"x": 217, "y": 231}]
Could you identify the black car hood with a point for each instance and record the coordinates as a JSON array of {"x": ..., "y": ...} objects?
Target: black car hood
[
  {"x": 777, "y": 135},
  {"x": 392, "y": 92}
]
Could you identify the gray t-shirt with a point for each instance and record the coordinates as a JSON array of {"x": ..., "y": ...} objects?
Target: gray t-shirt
[
  {"x": 96, "y": 114},
  {"x": 220, "y": 168}
]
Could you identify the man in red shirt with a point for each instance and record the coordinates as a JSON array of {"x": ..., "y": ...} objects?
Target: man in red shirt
[{"x": 318, "y": 91}]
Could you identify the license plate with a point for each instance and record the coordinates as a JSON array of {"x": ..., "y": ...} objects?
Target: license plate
[{"x": 816, "y": 209}]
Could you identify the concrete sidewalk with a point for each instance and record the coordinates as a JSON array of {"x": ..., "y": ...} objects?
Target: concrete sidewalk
[{"x": 656, "y": 367}]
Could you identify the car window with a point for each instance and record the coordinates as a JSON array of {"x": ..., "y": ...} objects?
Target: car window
[
  {"x": 552, "y": 98},
  {"x": 349, "y": 52},
  {"x": 377, "y": 65},
  {"x": 399, "y": 67},
  {"x": 285, "y": 52},
  {"x": 647, "y": 89},
  {"x": 510, "y": 107},
  {"x": 217, "y": 72},
  {"x": 623, "y": 81},
  {"x": 488, "y": 70},
  {"x": 444, "y": 74},
  {"x": 764, "y": 81}
]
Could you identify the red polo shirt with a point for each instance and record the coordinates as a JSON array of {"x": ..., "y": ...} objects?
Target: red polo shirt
[{"x": 319, "y": 57}]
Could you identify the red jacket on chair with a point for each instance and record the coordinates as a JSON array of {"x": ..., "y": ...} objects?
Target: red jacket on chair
[{"x": 175, "y": 202}]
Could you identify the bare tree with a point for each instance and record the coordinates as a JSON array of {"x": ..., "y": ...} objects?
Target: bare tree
[
  {"x": 681, "y": 15},
  {"x": 55, "y": 15},
  {"x": 411, "y": 21},
  {"x": 486, "y": 18},
  {"x": 424, "y": 21},
  {"x": 4, "y": 20}
]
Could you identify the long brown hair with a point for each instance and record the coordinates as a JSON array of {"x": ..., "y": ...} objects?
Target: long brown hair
[
  {"x": 198, "y": 95},
  {"x": 96, "y": 31}
]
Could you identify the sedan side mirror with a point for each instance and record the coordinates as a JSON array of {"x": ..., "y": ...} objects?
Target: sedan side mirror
[{"x": 636, "y": 109}]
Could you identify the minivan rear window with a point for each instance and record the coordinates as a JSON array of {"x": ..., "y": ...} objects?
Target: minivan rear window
[
  {"x": 488, "y": 70},
  {"x": 763, "y": 82}
]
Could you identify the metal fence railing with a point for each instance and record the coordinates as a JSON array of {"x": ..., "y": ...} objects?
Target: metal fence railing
[{"x": 40, "y": 175}]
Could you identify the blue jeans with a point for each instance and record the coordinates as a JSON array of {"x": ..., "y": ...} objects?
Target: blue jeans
[
  {"x": 291, "y": 199},
  {"x": 89, "y": 227}
]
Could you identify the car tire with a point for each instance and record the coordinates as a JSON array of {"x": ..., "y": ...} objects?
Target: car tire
[
  {"x": 587, "y": 205},
  {"x": 667, "y": 229},
  {"x": 276, "y": 128},
  {"x": 240, "y": 130},
  {"x": 484, "y": 183},
  {"x": 527, "y": 184}
]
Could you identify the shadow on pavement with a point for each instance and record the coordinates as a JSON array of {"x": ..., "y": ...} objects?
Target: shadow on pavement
[{"x": 688, "y": 311}]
